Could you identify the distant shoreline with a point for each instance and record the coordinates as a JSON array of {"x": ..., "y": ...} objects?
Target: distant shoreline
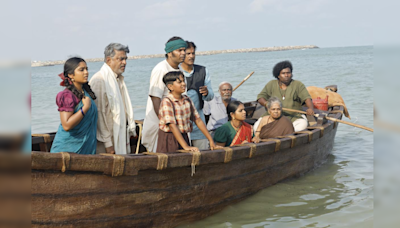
[{"x": 243, "y": 50}]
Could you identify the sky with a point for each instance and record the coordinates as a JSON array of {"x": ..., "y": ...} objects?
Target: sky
[{"x": 60, "y": 29}]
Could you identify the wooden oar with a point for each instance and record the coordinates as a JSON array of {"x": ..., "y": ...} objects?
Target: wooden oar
[
  {"x": 248, "y": 76},
  {"x": 333, "y": 119}
]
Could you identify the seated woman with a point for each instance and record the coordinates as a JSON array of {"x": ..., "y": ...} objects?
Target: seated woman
[
  {"x": 235, "y": 131},
  {"x": 78, "y": 112},
  {"x": 274, "y": 124}
]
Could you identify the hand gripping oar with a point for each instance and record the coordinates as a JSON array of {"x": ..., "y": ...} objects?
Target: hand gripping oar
[
  {"x": 333, "y": 119},
  {"x": 248, "y": 76}
]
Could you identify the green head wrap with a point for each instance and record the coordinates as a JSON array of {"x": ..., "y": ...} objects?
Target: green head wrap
[{"x": 175, "y": 44}]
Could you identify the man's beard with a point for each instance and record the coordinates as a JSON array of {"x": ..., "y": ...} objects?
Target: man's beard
[{"x": 225, "y": 98}]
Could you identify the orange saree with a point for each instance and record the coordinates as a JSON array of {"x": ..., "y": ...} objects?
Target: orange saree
[{"x": 245, "y": 133}]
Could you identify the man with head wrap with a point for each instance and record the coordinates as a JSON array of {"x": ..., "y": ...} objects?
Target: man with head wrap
[
  {"x": 175, "y": 54},
  {"x": 198, "y": 84},
  {"x": 215, "y": 110}
]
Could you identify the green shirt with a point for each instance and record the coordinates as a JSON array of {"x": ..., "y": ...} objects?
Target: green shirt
[
  {"x": 225, "y": 133},
  {"x": 295, "y": 96}
]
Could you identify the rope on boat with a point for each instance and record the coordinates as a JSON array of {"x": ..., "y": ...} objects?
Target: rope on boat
[
  {"x": 118, "y": 164},
  {"x": 277, "y": 141},
  {"x": 228, "y": 154},
  {"x": 162, "y": 159},
  {"x": 318, "y": 127},
  {"x": 66, "y": 158},
  {"x": 306, "y": 132},
  {"x": 289, "y": 136},
  {"x": 195, "y": 159},
  {"x": 253, "y": 148}
]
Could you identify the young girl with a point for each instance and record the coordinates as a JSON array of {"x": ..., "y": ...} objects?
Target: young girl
[
  {"x": 78, "y": 112},
  {"x": 176, "y": 113}
]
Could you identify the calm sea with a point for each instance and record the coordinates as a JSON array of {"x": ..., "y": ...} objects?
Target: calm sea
[{"x": 337, "y": 194}]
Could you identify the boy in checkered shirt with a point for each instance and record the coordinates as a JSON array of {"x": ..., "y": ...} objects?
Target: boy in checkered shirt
[{"x": 176, "y": 114}]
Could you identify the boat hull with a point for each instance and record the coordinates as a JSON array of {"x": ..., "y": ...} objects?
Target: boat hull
[{"x": 169, "y": 197}]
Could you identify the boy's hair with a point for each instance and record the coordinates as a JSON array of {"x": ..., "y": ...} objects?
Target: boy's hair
[{"x": 171, "y": 76}]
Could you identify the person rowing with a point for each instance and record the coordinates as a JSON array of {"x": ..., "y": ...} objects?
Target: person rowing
[{"x": 292, "y": 94}]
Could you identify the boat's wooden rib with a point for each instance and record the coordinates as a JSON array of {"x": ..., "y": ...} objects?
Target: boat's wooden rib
[{"x": 87, "y": 195}]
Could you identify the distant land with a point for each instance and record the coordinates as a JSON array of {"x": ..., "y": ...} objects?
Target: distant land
[{"x": 264, "y": 49}]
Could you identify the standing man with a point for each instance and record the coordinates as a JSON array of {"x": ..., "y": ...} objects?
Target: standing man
[
  {"x": 175, "y": 54},
  {"x": 115, "y": 122},
  {"x": 198, "y": 84},
  {"x": 215, "y": 110}
]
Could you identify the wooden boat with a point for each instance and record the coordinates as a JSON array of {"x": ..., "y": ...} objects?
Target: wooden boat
[{"x": 72, "y": 190}]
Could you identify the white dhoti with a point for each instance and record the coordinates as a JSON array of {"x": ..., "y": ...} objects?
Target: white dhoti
[
  {"x": 150, "y": 128},
  {"x": 157, "y": 89}
]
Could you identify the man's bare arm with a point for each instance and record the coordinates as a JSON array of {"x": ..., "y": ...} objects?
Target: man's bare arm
[{"x": 156, "y": 104}]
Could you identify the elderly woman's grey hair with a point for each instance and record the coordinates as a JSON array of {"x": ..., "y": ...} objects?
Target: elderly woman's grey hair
[
  {"x": 273, "y": 100},
  {"x": 111, "y": 48},
  {"x": 223, "y": 83}
]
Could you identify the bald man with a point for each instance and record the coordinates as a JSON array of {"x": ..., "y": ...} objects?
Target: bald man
[{"x": 215, "y": 110}]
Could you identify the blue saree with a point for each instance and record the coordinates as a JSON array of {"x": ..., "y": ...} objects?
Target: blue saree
[{"x": 82, "y": 138}]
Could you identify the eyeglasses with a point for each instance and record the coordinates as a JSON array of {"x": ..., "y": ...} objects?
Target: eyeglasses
[{"x": 226, "y": 90}]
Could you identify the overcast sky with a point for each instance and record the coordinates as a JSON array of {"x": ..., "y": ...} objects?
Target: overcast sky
[{"x": 64, "y": 28}]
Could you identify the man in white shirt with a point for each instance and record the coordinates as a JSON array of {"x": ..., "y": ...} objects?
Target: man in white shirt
[
  {"x": 215, "y": 110},
  {"x": 175, "y": 50},
  {"x": 115, "y": 122}
]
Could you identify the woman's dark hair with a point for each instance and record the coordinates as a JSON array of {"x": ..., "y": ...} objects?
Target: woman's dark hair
[
  {"x": 172, "y": 39},
  {"x": 69, "y": 68},
  {"x": 280, "y": 66},
  {"x": 171, "y": 76},
  {"x": 232, "y": 107}
]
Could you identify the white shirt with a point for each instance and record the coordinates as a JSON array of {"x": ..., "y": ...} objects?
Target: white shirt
[
  {"x": 216, "y": 108},
  {"x": 157, "y": 89}
]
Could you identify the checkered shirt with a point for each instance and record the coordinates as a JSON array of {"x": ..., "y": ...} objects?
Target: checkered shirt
[{"x": 182, "y": 114}]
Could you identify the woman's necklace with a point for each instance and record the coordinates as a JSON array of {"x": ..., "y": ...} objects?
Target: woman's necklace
[
  {"x": 280, "y": 88},
  {"x": 234, "y": 127}
]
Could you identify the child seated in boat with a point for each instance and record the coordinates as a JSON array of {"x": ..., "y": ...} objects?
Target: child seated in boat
[
  {"x": 235, "y": 131},
  {"x": 176, "y": 115},
  {"x": 78, "y": 112},
  {"x": 275, "y": 124}
]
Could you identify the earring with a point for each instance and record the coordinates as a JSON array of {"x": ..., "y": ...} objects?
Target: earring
[
  {"x": 72, "y": 79},
  {"x": 234, "y": 118}
]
